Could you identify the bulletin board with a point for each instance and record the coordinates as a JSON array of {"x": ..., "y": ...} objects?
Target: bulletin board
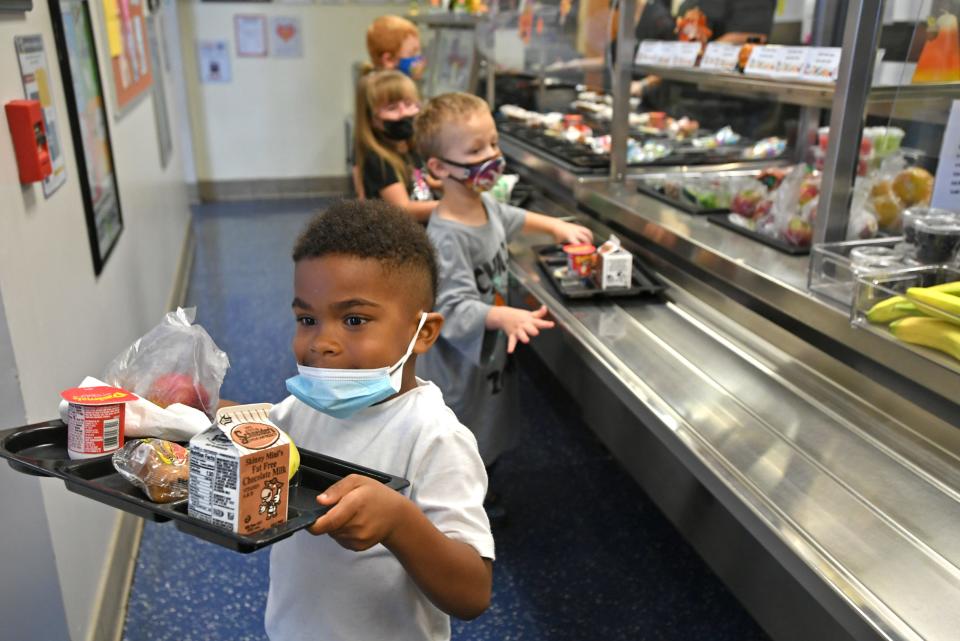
[
  {"x": 77, "y": 52},
  {"x": 129, "y": 51}
]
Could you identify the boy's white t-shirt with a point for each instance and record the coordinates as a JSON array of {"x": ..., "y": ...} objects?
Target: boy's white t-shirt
[{"x": 319, "y": 590}]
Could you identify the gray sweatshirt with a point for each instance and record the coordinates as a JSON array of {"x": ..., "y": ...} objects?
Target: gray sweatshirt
[{"x": 468, "y": 362}]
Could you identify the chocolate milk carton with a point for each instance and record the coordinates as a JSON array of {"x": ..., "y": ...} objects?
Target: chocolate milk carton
[
  {"x": 239, "y": 471},
  {"x": 614, "y": 265}
]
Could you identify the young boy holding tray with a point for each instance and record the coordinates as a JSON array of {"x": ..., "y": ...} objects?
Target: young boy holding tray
[
  {"x": 456, "y": 135},
  {"x": 394, "y": 565}
]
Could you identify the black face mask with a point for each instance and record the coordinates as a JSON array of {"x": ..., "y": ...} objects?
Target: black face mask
[{"x": 399, "y": 129}]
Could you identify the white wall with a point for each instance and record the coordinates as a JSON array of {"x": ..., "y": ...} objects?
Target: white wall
[
  {"x": 27, "y": 567},
  {"x": 65, "y": 323},
  {"x": 279, "y": 117}
]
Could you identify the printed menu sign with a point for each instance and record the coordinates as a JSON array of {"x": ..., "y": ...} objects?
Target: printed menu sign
[
  {"x": 647, "y": 52},
  {"x": 822, "y": 64},
  {"x": 790, "y": 62},
  {"x": 685, "y": 54},
  {"x": 946, "y": 188},
  {"x": 663, "y": 54},
  {"x": 764, "y": 61},
  {"x": 720, "y": 56}
]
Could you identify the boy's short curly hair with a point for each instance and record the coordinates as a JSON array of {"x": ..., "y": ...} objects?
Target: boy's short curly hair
[
  {"x": 372, "y": 229},
  {"x": 443, "y": 110}
]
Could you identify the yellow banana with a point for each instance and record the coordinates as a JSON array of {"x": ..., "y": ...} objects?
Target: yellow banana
[
  {"x": 929, "y": 332},
  {"x": 891, "y": 309},
  {"x": 294, "y": 459},
  {"x": 936, "y": 303},
  {"x": 947, "y": 288}
]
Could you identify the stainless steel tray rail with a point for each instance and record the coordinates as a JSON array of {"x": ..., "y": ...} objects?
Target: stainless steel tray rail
[{"x": 867, "y": 503}]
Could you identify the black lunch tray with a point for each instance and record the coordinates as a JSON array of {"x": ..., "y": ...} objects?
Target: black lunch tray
[
  {"x": 682, "y": 204},
  {"x": 551, "y": 258},
  {"x": 724, "y": 221},
  {"x": 41, "y": 450}
]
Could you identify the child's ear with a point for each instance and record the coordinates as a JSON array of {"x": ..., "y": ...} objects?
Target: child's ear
[
  {"x": 388, "y": 60},
  {"x": 436, "y": 168},
  {"x": 429, "y": 333}
]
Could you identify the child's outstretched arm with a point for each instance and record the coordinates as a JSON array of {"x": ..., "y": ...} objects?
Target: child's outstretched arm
[
  {"x": 450, "y": 573},
  {"x": 518, "y": 324},
  {"x": 562, "y": 231}
]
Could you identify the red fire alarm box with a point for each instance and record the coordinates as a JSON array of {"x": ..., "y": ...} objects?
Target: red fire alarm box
[{"x": 25, "y": 118}]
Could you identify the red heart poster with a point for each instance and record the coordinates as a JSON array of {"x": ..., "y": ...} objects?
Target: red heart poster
[{"x": 286, "y": 39}]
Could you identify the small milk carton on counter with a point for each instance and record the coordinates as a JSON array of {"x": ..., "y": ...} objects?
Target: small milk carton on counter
[
  {"x": 239, "y": 471},
  {"x": 614, "y": 265}
]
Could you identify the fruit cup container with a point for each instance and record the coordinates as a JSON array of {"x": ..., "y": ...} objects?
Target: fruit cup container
[
  {"x": 874, "y": 288},
  {"x": 834, "y": 267}
]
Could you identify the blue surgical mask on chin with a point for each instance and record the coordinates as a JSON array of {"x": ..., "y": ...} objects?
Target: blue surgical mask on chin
[{"x": 343, "y": 392}]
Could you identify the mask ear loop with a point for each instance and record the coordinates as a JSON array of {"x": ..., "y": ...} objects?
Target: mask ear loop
[{"x": 413, "y": 342}]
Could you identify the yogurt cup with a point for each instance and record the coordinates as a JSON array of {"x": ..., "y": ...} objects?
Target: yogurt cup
[
  {"x": 580, "y": 258},
  {"x": 95, "y": 419}
]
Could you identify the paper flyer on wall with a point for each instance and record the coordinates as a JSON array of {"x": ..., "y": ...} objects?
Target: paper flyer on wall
[
  {"x": 286, "y": 38},
  {"x": 214, "y": 59},
  {"x": 36, "y": 86}
]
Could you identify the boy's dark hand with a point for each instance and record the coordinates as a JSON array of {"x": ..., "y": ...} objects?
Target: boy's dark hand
[{"x": 365, "y": 512}]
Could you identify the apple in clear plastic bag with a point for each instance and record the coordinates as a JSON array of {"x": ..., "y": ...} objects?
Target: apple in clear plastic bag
[
  {"x": 171, "y": 388},
  {"x": 799, "y": 232}
]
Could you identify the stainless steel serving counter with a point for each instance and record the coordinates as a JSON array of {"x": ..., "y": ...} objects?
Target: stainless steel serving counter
[
  {"x": 828, "y": 504},
  {"x": 775, "y": 285}
]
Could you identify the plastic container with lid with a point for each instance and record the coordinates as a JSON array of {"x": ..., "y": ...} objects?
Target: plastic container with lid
[
  {"x": 912, "y": 214},
  {"x": 873, "y": 257},
  {"x": 581, "y": 258},
  {"x": 936, "y": 239}
]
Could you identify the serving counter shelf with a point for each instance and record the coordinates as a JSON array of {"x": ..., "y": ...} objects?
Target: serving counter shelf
[
  {"x": 773, "y": 284},
  {"x": 925, "y": 102},
  {"x": 848, "y": 498}
]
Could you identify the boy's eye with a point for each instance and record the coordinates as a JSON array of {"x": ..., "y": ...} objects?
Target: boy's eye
[
  {"x": 307, "y": 321},
  {"x": 354, "y": 321}
]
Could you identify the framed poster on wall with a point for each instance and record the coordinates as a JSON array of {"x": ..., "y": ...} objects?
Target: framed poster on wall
[
  {"x": 131, "y": 66},
  {"x": 77, "y": 52}
]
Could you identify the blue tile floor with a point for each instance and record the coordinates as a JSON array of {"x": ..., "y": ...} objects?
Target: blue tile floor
[{"x": 585, "y": 554}]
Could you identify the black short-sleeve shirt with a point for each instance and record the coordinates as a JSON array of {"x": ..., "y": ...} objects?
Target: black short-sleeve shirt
[{"x": 379, "y": 174}]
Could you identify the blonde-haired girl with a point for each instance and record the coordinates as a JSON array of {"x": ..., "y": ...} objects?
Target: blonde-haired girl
[{"x": 388, "y": 166}]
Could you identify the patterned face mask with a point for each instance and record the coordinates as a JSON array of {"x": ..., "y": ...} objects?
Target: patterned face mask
[{"x": 481, "y": 176}]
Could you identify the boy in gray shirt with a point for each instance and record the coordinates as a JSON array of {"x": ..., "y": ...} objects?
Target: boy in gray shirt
[{"x": 457, "y": 137}]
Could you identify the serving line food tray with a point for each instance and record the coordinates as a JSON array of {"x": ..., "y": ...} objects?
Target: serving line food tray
[
  {"x": 41, "y": 449},
  {"x": 553, "y": 262}
]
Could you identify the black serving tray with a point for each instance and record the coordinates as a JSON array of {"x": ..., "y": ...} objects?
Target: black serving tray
[
  {"x": 682, "y": 204},
  {"x": 551, "y": 258},
  {"x": 41, "y": 449},
  {"x": 724, "y": 221}
]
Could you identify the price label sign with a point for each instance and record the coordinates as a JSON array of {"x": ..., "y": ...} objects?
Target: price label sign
[
  {"x": 822, "y": 65},
  {"x": 685, "y": 54},
  {"x": 663, "y": 53},
  {"x": 647, "y": 52},
  {"x": 946, "y": 186},
  {"x": 720, "y": 56},
  {"x": 764, "y": 61},
  {"x": 790, "y": 62}
]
